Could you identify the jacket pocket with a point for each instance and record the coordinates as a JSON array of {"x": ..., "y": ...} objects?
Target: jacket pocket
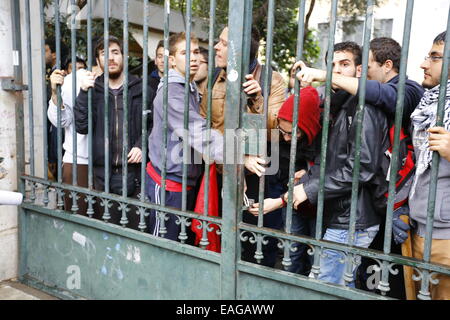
[{"x": 443, "y": 207}]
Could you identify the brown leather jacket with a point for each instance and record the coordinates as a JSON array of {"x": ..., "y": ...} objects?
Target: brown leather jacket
[{"x": 255, "y": 104}]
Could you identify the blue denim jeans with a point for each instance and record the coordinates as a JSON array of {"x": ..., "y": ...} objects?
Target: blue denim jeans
[
  {"x": 332, "y": 264},
  {"x": 301, "y": 226}
]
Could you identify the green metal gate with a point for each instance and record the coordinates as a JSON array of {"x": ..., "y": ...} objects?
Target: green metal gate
[{"x": 74, "y": 256}]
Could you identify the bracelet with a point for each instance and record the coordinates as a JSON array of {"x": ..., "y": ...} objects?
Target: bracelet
[{"x": 284, "y": 203}]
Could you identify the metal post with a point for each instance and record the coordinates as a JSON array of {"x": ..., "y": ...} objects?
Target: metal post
[
  {"x": 231, "y": 176},
  {"x": 315, "y": 269}
]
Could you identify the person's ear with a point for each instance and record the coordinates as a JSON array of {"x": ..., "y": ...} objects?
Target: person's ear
[
  {"x": 172, "y": 63},
  {"x": 388, "y": 65},
  {"x": 358, "y": 71}
]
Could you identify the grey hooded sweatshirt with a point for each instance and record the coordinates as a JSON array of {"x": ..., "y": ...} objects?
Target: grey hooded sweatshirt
[{"x": 175, "y": 128}]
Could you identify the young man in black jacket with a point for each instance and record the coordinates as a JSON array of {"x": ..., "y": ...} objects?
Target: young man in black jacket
[
  {"x": 339, "y": 170},
  {"x": 116, "y": 118}
]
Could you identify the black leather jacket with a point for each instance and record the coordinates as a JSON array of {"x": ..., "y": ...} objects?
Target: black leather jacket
[{"x": 340, "y": 163}]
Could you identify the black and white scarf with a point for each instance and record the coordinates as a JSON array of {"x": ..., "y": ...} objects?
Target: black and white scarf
[{"x": 423, "y": 118}]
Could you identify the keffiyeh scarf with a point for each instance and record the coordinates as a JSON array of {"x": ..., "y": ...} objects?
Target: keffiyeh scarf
[{"x": 423, "y": 118}]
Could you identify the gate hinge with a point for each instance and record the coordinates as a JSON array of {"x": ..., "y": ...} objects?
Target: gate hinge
[{"x": 10, "y": 85}]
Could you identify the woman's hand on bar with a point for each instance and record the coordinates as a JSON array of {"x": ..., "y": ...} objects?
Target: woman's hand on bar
[
  {"x": 439, "y": 141},
  {"x": 269, "y": 206},
  {"x": 135, "y": 155},
  {"x": 253, "y": 164}
]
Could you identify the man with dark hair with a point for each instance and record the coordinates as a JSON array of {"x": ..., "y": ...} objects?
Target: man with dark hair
[
  {"x": 116, "y": 120},
  {"x": 201, "y": 77},
  {"x": 339, "y": 170},
  {"x": 426, "y": 139},
  {"x": 80, "y": 64},
  {"x": 50, "y": 52},
  {"x": 382, "y": 84},
  {"x": 157, "y": 74}
]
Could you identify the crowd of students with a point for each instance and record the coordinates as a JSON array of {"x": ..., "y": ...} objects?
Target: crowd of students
[{"x": 419, "y": 122}]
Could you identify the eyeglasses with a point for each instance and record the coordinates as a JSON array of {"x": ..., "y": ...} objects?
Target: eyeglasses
[
  {"x": 433, "y": 58},
  {"x": 289, "y": 134}
]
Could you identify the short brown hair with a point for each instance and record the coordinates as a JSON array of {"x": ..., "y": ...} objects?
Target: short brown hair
[
  {"x": 176, "y": 38},
  {"x": 101, "y": 44},
  {"x": 384, "y": 49}
]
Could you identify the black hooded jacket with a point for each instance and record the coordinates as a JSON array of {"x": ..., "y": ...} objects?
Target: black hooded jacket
[
  {"x": 115, "y": 103},
  {"x": 340, "y": 164}
]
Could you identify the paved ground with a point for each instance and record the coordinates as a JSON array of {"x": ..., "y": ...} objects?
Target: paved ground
[{"x": 14, "y": 290}]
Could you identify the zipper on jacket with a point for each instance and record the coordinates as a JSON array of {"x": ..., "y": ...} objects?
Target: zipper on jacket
[{"x": 117, "y": 132}]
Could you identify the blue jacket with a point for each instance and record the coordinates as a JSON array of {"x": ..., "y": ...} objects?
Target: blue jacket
[{"x": 384, "y": 96}]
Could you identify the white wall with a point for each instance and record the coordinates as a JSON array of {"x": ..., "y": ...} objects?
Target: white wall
[
  {"x": 8, "y": 214},
  {"x": 8, "y": 150}
]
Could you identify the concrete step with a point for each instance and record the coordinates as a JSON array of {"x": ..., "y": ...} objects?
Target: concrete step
[{"x": 14, "y": 290}]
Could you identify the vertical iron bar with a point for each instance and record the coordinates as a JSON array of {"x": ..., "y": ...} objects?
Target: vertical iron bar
[
  {"x": 231, "y": 176},
  {"x": 90, "y": 210},
  {"x": 30, "y": 97},
  {"x": 74, "y": 96},
  {"x": 359, "y": 116},
  {"x": 293, "y": 151},
  {"x": 106, "y": 215},
  {"x": 315, "y": 269},
  {"x": 60, "y": 193},
  {"x": 125, "y": 147},
  {"x": 165, "y": 116},
  {"x": 44, "y": 98},
  {"x": 212, "y": 19},
  {"x": 263, "y": 133},
  {"x": 245, "y": 68},
  {"x": 297, "y": 97},
  {"x": 384, "y": 283},
  {"x": 145, "y": 101},
  {"x": 187, "y": 157},
  {"x": 186, "y": 149}
]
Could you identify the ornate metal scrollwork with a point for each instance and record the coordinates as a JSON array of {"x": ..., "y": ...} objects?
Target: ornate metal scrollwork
[
  {"x": 106, "y": 203},
  {"x": 142, "y": 212},
  {"x": 74, "y": 196},
  {"x": 162, "y": 216},
  {"x": 90, "y": 201},
  {"x": 123, "y": 207},
  {"x": 426, "y": 279},
  {"x": 184, "y": 222},
  {"x": 59, "y": 196}
]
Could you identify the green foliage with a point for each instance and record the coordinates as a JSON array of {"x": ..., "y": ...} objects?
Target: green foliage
[
  {"x": 115, "y": 29},
  {"x": 285, "y": 29}
]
